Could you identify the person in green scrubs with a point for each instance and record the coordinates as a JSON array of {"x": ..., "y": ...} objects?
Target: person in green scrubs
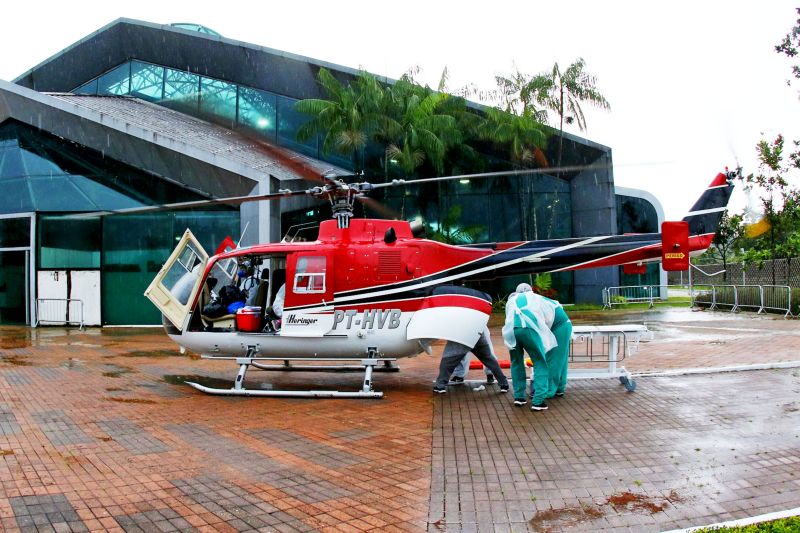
[
  {"x": 558, "y": 357},
  {"x": 529, "y": 318}
]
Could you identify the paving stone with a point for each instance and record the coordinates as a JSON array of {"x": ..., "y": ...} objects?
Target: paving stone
[
  {"x": 138, "y": 450},
  {"x": 132, "y": 437}
]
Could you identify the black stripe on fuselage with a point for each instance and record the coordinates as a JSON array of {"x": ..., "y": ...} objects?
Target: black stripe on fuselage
[{"x": 561, "y": 259}]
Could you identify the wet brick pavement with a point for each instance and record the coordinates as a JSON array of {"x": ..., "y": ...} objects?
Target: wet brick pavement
[{"x": 97, "y": 432}]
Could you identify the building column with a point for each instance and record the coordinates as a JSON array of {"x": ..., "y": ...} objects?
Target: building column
[{"x": 263, "y": 218}]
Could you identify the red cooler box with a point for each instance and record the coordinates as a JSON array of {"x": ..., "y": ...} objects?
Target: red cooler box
[{"x": 248, "y": 319}]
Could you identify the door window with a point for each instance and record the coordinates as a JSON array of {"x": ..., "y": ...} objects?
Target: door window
[{"x": 309, "y": 274}]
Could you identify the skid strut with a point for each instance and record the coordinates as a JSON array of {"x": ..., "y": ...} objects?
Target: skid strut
[{"x": 367, "y": 365}]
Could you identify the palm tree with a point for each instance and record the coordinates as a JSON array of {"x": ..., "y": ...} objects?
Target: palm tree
[
  {"x": 563, "y": 93},
  {"x": 514, "y": 96},
  {"x": 419, "y": 126},
  {"x": 347, "y": 118}
]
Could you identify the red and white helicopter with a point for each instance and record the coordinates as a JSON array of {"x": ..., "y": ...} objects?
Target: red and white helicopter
[{"x": 369, "y": 290}]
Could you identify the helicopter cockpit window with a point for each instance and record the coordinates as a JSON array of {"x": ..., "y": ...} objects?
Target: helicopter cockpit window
[
  {"x": 183, "y": 274},
  {"x": 223, "y": 272},
  {"x": 309, "y": 274}
]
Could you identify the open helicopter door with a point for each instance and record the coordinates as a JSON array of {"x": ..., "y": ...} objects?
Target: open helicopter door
[{"x": 175, "y": 288}]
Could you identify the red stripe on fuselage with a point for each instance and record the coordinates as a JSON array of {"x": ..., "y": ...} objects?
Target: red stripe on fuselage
[
  {"x": 416, "y": 304},
  {"x": 651, "y": 251}
]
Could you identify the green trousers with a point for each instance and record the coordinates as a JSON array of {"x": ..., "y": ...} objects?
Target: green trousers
[
  {"x": 558, "y": 357},
  {"x": 528, "y": 340}
]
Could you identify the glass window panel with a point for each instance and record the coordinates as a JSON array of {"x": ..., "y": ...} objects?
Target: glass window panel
[
  {"x": 101, "y": 195},
  {"x": 36, "y": 165},
  {"x": 147, "y": 81},
  {"x": 134, "y": 249},
  {"x": 181, "y": 90},
  {"x": 16, "y": 197},
  {"x": 636, "y": 215},
  {"x": 57, "y": 193},
  {"x": 69, "y": 243},
  {"x": 209, "y": 227},
  {"x": 258, "y": 111},
  {"x": 218, "y": 99},
  {"x": 15, "y": 232},
  {"x": 13, "y": 297},
  {"x": 289, "y": 122},
  {"x": 183, "y": 274},
  {"x": 11, "y": 165},
  {"x": 116, "y": 81},
  {"x": 87, "y": 88}
]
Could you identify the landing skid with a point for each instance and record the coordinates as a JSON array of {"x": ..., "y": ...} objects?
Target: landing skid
[{"x": 367, "y": 365}]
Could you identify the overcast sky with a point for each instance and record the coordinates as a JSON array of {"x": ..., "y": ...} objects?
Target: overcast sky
[{"x": 693, "y": 85}]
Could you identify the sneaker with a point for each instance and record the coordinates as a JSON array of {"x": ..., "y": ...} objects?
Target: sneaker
[
  {"x": 559, "y": 394},
  {"x": 504, "y": 388},
  {"x": 539, "y": 407},
  {"x": 490, "y": 380},
  {"x": 455, "y": 380},
  {"x": 438, "y": 389},
  {"x": 519, "y": 402}
]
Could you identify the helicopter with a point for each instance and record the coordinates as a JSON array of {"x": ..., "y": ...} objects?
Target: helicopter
[{"x": 373, "y": 290}]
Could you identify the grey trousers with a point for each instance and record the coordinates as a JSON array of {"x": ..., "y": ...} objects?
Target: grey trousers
[{"x": 455, "y": 352}]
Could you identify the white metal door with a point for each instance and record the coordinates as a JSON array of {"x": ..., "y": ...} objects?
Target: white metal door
[
  {"x": 52, "y": 296},
  {"x": 85, "y": 286}
]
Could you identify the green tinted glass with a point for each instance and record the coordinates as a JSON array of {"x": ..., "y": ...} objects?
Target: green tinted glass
[
  {"x": 147, "y": 81},
  {"x": 218, "y": 99},
  {"x": 181, "y": 90},
  {"x": 15, "y": 232},
  {"x": 116, "y": 81},
  {"x": 40, "y": 172},
  {"x": 258, "y": 111},
  {"x": 134, "y": 248},
  {"x": 87, "y": 88},
  {"x": 69, "y": 243},
  {"x": 289, "y": 121},
  {"x": 13, "y": 299}
]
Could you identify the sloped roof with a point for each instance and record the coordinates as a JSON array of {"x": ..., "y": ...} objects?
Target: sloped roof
[
  {"x": 204, "y": 157},
  {"x": 217, "y": 141}
]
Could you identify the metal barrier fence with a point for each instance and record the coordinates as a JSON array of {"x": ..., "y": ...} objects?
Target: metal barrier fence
[
  {"x": 650, "y": 294},
  {"x": 59, "y": 311},
  {"x": 760, "y": 298}
]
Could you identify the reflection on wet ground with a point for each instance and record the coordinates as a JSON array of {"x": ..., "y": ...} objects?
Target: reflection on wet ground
[{"x": 683, "y": 450}]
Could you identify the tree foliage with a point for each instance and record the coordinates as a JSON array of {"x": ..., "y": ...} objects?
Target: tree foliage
[{"x": 789, "y": 45}]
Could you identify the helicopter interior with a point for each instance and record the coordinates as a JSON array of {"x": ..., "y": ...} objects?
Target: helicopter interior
[{"x": 251, "y": 281}]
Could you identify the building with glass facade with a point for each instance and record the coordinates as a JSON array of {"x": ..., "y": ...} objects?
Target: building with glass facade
[{"x": 145, "y": 114}]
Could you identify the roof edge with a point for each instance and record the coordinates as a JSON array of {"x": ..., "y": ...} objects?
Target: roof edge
[{"x": 234, "y": 42}]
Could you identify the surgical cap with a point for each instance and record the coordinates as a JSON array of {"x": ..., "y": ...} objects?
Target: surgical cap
[{"x": 523, "y": 287}]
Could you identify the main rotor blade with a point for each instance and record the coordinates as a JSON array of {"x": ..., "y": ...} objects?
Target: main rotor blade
[
  {"x": 522, "y": 172},
  {"x": 232, "y": 200}
]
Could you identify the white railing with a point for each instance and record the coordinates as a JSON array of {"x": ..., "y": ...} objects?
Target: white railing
[
  {"x": 759, "y": 298},
  {"x": 649, "y": 294},
  {"x": 59, "y": 311}
]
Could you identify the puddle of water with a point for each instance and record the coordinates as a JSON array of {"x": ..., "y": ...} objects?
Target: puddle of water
[
  {"x": 564, "y": 517},
  {"x": 15, "y": 360},
  {"x": 129, "y": 400},
  {"x": 640, "y": 502},
  {"x": 10, "y": 340},
  {"x": 206, "y": 381},
  {"x": 152, "y": 353}
]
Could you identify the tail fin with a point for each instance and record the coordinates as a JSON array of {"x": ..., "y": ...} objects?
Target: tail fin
[{"x": 704, "y": 216}]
